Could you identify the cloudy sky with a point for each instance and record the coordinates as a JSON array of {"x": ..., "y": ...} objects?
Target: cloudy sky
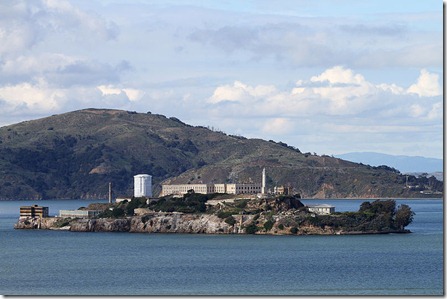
[{"x": 329, "y": 77}]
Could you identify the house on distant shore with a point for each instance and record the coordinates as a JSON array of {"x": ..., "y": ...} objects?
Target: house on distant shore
[{"x": 321, "y": 209}]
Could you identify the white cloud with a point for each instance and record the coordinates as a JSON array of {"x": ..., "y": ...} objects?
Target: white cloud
[
  {"x": 336, "y": 91},
  {"x": 43, "y": 98},
  {"x": 131, "y": 93},
  {"x": 134, "y": 94},
  {"x": 277, "y": 126},
  {"x": 241, "y": 92},
  {"x": 37, "y": 97},
  {"x": 339, "y": 74},
  {"x": 427, "y": 85}
]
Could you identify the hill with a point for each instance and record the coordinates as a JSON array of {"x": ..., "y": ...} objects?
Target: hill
[
  {"x": 76, "y": 155},
  {"x": 405, "y": 164}
]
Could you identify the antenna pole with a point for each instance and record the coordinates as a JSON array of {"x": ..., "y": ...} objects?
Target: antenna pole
[{"x": 110, "y": 192}]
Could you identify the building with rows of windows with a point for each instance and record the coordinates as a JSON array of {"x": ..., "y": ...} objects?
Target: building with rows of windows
[
  {"x": 251, "y": 188},
  {"x": 211, "y": 188},
  {"x": 33, "y": 211}
]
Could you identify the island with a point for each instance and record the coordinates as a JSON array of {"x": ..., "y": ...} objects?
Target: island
[{"x": 227, "y": 214}]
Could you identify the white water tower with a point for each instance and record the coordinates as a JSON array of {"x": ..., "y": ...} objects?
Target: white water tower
[{"x": 142, "y": 185}]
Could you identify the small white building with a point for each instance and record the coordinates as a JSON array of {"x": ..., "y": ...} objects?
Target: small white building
[
  {"x": 322, "y": 209},
  {"x": 78, "y": 213},
  {"x": 121, "y": 199},
  {"x": 142, "y": 185}
]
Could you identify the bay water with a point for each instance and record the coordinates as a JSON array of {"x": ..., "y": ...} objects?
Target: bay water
[{"x": 41, "y": 262}]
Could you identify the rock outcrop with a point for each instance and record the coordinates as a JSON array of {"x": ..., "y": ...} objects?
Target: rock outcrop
[
  {"x": 274, "y": 216},
  {"x": 186, "y": 224}
]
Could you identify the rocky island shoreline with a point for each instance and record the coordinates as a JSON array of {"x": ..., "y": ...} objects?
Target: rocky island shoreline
[{"x": 220, "y": 214}]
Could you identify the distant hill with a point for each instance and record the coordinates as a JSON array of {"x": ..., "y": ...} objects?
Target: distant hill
[
  {"x": 76, "y": 155},
  {"x": 405, "y": 164}
]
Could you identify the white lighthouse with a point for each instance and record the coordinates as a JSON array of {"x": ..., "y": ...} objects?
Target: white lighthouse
[
  {"x": 142, "y": 185},
  {"x": 263, "y": 182}
]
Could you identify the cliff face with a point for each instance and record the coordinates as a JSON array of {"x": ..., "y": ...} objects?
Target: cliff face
[
  {"x": 38, "y": 223},
  {"x": 181, "y": 223},
  {"x": 154, "y": 223},
  {"x": 185, "y": 223},
  {"x": 276, "y": 216}
]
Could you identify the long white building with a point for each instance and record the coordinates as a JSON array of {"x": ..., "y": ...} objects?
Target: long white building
[
  {"x": 142, "y": 185},
  {"x": 252, "y": 188},
  {"x": 211, "y": 188}
]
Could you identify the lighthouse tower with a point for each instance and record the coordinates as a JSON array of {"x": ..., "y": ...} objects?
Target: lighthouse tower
[{"x": 263, "y": 191}]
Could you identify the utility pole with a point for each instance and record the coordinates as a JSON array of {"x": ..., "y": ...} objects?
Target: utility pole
[{"x": 110, "y": 192}]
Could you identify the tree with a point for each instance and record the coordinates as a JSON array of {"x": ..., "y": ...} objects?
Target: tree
[
  {"x": 404, "y": 216},
  {"x": 230, "y": 220},
  {"x": 268, "y": 225},
  {"x": 251, "y": 229},
  {"x": 117, "y": 213},
  {"x": 365, "y": 206}
]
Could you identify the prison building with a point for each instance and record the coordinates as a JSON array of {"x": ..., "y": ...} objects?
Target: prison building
[{"x": 211, "y": 188}]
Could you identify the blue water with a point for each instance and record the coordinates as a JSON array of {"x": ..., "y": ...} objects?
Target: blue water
[{"x": 43, "y": 262}]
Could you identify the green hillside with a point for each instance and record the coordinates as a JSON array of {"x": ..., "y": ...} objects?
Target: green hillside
[{"x": 76, "y": 155}]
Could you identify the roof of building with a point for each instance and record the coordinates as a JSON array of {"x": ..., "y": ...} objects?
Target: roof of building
[{"x": 321, "y": 206}]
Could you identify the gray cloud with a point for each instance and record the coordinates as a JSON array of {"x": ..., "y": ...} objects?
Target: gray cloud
[
  {"x": 87, "y": 73},
  {"x": 392, "y": 30},
  {"x": 229, "y": 38},
  {"x": 320, "y": 42},
  {"x": 26, "y": 23}
]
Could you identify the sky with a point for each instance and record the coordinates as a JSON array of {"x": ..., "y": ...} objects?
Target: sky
[{"x": 326, "y": 76}]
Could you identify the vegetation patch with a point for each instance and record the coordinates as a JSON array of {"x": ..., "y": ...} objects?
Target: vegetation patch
[
  {"x": 61, "y": 222},
  {"x": 189, "y": 203},
  {"x": 268, "y": 225},
  {"x": 230, "y": 220},
  {"x": 251, "y": 228}
]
